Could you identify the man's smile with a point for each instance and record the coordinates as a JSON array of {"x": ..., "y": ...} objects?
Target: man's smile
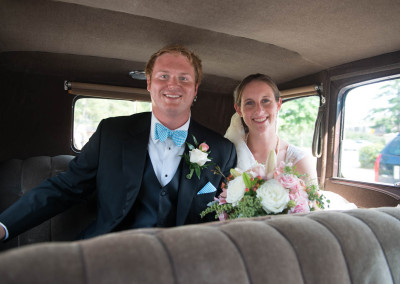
[{"x": 171, "y": 96}]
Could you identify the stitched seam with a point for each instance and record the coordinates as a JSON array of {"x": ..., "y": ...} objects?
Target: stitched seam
[
  {"x": 337, "y": 240},
  {"x": 240, "y": 253},
  {"x": 380, "y": 245},
  {"x": 170, "y": 259},
  {"x": 84, "y": 268},
  {"x": 294, "y": 251}
]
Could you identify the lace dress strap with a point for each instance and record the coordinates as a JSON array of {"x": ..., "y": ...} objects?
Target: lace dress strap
[{"x": 294, "y": 154}]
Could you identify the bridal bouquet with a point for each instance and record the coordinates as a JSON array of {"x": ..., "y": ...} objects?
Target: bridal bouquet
[{"x": 265, "y": 190}]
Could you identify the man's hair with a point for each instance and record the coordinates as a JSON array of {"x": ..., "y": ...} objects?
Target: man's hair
[
  {"x": 193, "y": 59},
  {"x": 237, "y": 94}
]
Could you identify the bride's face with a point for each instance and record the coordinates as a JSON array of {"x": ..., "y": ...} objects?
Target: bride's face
[{"x": 258, "y": 107}]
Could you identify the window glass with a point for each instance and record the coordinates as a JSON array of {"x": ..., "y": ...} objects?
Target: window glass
[
  {"x": 88, "y": 112},
  {"x": 370, "y": 148},
  {"x": 296, "y": 121}
]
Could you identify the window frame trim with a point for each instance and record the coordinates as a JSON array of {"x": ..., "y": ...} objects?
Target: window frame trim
[
  {"x": 78, "y": 97},
  {"x": 338, "y": 138}
]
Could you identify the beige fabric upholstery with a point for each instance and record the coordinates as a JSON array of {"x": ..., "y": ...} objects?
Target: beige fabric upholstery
[{"x": 357, "y": 246}]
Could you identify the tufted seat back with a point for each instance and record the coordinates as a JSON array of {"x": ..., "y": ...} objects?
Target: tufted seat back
[
  {"x": 17, "y": 177},
  {"x": 357, "y": 246}
]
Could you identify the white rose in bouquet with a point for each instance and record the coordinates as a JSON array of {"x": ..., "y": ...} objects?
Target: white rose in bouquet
[
  {"x": 236, "y": 190},
  {"x": 274, "y": 197},
  {"x": 198, "y": 157}
]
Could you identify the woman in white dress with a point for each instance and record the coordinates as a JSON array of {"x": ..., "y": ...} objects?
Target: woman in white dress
[{"x": 253, "y": 130}]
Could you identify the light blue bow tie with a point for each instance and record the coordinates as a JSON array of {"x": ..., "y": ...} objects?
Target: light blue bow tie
[{"x": 162, "y": 133}]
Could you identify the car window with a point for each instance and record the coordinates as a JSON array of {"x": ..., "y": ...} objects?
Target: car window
[
  {"x": 88, "y": 112},
  {"x": 370, "y": 146},
  {"x": 296, "y": 121}
]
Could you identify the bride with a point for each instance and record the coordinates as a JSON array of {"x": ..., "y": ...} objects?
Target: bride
[{"x": 253, "y": 130}]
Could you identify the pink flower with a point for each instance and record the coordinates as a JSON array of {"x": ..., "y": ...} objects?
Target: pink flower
[
  {"x": 301, "y": 206},
  {"x": 281, "y": 168},
  {"x": 223, "y": 217},
  {"x": 258, "y": 170},
  {"x": 291, "y": 182},
  {"x": 222, "y": 200},
  {"x": 296, "y": 194},
  {"x": 302, "y": 184},
  {"x": 222, "y": 197},
  {"x": 224, "y": 193},
  {"x": 204, "y": 147}
]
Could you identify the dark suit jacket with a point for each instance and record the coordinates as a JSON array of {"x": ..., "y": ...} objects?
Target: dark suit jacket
[{"x": 112, "y": 164}]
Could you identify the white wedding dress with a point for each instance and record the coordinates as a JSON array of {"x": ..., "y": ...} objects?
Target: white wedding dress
[{"x": 246, "y": 161}]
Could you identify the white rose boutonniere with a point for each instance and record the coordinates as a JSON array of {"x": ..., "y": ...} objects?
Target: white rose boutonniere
[{"x": 197, "y": 158}]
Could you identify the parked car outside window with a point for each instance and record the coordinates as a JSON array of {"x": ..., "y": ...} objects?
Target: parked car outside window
[
  {"x": 387, "y": 164},
  {"x": 371, "y": 121}
]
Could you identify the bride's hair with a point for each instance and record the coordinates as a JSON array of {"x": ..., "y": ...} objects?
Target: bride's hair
[{"x": 237, "y": 94}]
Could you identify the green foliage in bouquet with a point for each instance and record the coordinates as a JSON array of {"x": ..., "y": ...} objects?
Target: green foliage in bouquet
[
  {"x": 249, "y": 205},
  {"x": 313, "y": 195}
]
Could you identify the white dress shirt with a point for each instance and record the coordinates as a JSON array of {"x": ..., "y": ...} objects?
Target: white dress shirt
[{"x": 165, "y": 156}]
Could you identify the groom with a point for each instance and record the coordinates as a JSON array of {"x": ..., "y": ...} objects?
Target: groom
[{"x": 134, "y": 163}]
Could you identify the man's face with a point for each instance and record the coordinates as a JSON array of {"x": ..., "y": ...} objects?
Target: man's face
[{"x": 172, "y": 87}]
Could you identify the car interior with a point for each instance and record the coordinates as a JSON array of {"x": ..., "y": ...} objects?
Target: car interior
[{"x": 57, "y": 56}]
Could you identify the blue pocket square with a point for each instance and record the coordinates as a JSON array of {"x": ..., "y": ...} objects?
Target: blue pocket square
[{"x": 208, "y": 188}]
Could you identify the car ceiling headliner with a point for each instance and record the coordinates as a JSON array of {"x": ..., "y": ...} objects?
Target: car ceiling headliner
[{"x": 285, "y": 39}]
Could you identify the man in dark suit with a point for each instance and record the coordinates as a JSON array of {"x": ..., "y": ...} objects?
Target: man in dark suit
[{"x": 135, "y": 163}]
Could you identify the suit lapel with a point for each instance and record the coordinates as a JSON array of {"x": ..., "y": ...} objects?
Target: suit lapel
[
  {"x": 134, "y": 154},
  {"x": 187, "y": 187}
]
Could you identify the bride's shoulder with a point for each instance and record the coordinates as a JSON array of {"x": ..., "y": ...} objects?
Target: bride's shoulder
[
  {"x": 283, "y": 145},
  {"x": 294, "y": 154}
]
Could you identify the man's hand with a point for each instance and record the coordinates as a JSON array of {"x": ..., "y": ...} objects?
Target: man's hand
[{"x": 2, "y": 233}]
